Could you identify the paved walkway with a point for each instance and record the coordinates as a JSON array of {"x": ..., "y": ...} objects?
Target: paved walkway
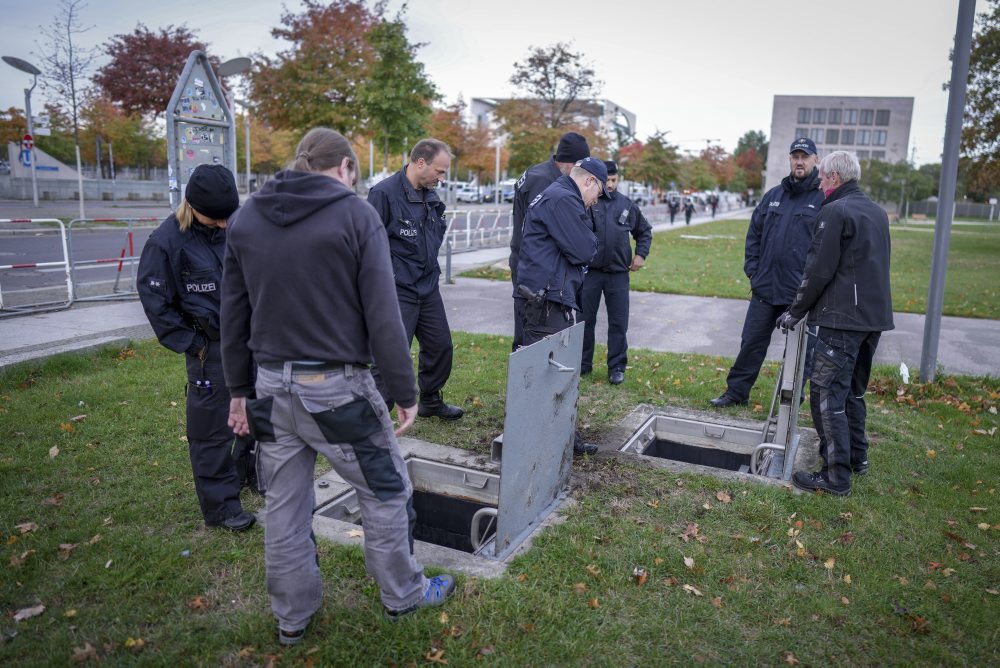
[{"x": 670, "y": 323}]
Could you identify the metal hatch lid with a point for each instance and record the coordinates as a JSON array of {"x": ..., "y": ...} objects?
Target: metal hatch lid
[{"x": 542, "y": 388}]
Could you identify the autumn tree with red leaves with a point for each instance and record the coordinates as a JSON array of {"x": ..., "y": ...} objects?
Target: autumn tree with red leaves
[{"x": 144, "y": 68}]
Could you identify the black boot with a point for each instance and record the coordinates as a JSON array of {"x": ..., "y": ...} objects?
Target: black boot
[{"x": 433, "y": 405}]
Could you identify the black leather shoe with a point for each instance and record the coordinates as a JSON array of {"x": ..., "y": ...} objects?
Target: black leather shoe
[
  {"x": 861, "y": 468},
  {"x": 239, "y": 522},
  {"x": 432, "y": 405},
  {"x": 817, "y": 482},
  {"x": 725, "y": 401},
  {"x": 580, "y": 447},
  {"x": 616, "y": 377}
]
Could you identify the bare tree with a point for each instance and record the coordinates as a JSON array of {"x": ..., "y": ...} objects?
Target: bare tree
[
  {"x": 559, "y": 80},
  {"x": 64, "y": 62}
]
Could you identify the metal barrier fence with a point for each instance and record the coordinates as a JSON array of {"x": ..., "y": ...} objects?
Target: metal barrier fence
[
  {"x": 126, "y": 258},
  {"x": 478, "y": 227},
  {"x": 130, "y": 259}
]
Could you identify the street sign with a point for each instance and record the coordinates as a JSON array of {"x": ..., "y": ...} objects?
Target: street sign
[{"x": 27, "y": 142}]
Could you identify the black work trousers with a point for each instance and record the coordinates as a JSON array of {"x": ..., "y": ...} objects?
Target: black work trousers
[
  {"x": 614, "y": 287},
  {"x": 427, "y": 321},
  {"x": 518, "y": 306},
  {"x": 841, "y": 368},
  {"x": 758, "y": 326},
  {"x": 210, "y": 440}
]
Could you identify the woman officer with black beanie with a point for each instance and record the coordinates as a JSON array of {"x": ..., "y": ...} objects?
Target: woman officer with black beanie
[{"x": 180, "y": 274}]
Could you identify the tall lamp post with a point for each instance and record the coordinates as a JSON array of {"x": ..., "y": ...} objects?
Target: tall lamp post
[
  {"x": 28, "y": 68},
  {"x": 229, "y": 68}
]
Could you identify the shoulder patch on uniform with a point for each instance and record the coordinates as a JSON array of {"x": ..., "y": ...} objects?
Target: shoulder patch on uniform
[
  {"x": 811, "y": 206},
  {"x": 520, "y": 181},
  {"x": 537, "y": 197}
]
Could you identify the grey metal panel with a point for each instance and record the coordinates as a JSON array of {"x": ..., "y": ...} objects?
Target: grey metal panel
[
  {"x": 201, "y": 128},
  {"x": 538, "y": 432}
]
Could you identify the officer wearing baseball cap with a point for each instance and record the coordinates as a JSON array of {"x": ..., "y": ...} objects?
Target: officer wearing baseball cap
[
  {"x": 572, "y": 148},
  {"x": 179, "y": 279},
  {"x": 557, "y": 246},
  {"x": 781, "y": 229}
]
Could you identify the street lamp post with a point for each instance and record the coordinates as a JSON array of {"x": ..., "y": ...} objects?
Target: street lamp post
[
  {"x": 228, "y": 68},
  {"x": 28, "y": 68}
]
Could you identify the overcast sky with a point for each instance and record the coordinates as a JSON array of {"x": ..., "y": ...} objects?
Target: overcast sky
[{"x": 705, "y": 69}]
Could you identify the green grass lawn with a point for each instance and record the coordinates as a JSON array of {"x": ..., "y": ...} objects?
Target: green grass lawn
[
  {"x": 99, "y": 524},
  {"x": 707, "y": 261}
]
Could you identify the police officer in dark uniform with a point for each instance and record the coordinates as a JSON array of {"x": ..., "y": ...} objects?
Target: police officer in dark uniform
[
  {"x": 572, "y": 148},
  {"x": 180, "y": 275},
  {"x": 615, "y": 219},
  {"x": 413, "y": 215},
  {"x": 558, "y": 244}
]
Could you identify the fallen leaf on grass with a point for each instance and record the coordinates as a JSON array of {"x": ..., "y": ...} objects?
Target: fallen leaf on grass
[
  {"x": 28, "y": 527},
  {"x": 829, "y": 564},
  {"x": 847, "y": 579},
  {"x": 580, "y": 588},
  {"x": 784, "y": 621},
  {"x": 995, "y": 592},
  {"x": 436, "y": 656},
  {"x": 671, "y": 581},
  {"x": 977, "y": 509},
  {"x": 197, "y": 604},
  {"x": 70, "y": 613},
  {"x": 85, "y": 653},
  {"x": 846, "y": 516},
  {"x": 67, "y": 427},
  {"x": 845, "y": 600},
  {"x": 53, "y": 451},
  {"x": 109, "y": 562},
  {"x": 689, "y": 562},
  {"x": 930, "y": 584},
  {"x": 692, "y": 589},
  {"x": 723, "y": 497},
  {"x": 135, "y": 645},
  {"x": 443, "y": 618},
  {"x": 690, "y": 531},
  {"x": 655, "y": 503},
  {"x": 522, "y": 577},
  {"x": 931, "y": 454},
  {"x": 706, "y": 506},
  {"x": 593, "y": 570},
  {"x": 659, "y": 561},
  {"x": 17, "y": 560},
  {"x": 54, "y": 500},
  {"x": 96, "y": 539},
  {"x": 846, "y": 538},
  {"x": 982, "y": 526},
  {"x": 485, "y": 651},
  {"x": 790, "y": 659},
  {"x": 65, "y": 549},
  {"x": 78, "y": 418},
  {"x": 717, "y": 602},
  {"x": 593, "y": 603},
  {"x": 28, "y": 613}
]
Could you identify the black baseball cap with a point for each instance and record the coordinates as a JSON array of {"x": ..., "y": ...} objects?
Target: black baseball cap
[
  {"x": 803, "y": 144},
  {"x": 597, "y": 168}
]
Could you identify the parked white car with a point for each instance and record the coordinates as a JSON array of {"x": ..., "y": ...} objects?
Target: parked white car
[{"x": 468, "y": 193}]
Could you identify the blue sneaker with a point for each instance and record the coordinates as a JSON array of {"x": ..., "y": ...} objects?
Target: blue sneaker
[{"x": 437, "y": 589}]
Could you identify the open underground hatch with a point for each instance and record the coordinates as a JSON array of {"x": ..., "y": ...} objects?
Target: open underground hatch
[
  {"x": 456, "y": 507},
  {"x": 691, "y": 441}
]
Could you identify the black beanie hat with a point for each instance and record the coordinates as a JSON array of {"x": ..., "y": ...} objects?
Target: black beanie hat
[
  {"x": 572, "y": 148},
  {"x": 212, "y": 192},
  {"x": 612, "y": 167}
]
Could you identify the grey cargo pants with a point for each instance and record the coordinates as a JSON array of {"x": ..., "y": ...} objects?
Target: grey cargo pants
[{"x": 340, "y": 415}]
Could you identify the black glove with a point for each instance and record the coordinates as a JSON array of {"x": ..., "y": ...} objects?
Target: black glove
[{"x": 786, "y": 321}]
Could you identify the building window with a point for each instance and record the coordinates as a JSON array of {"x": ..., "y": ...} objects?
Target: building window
[
  {"x": 850, "y": 116},
  {"x": 816, "y": 134},
  {"x": 801, "y": 132},
  {"x": 862, "y": 155},
  {"x": 832, "y": 136},
  {"x": 805, "y": 114},
  {"x": 867, "y": 117},
  {"x": 882, "y": 117},
  {"x": 864, "y": 137},
  {"x": 879, "y": 137},
  {"x": 819, "y": 115},
  {"x": 847, "y": 137},
  {"x": 878, "y": 155},
  {"x": 835, "y": 117}
]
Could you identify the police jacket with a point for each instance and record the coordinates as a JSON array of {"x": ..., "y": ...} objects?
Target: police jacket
[
  {"x": 531, "y": 184},
  {"x": 781, "y": 228},
  {"x": 414, "y": 221},
  {"x": 558, "y": 243},
  {"x": 308, "y": 277},
  {"x": 845, "y": 283},
  {"x": 180, "y": 276},
  {"x": 615, "y": 218}
]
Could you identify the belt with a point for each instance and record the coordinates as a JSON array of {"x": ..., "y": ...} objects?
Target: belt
[{"x": 308, "y": 366}]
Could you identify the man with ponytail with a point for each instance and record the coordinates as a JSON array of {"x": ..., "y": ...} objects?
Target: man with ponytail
[{"x": 308, "y": 292}]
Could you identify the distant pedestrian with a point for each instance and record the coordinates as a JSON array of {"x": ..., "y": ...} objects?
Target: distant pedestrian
[
  {"x": 572, "y": 148},
  {"x": 558, "y": 245},
  {"x": 179, "y": 282},
  {"x": 675, "y": 206},
  {"x": 845, "y": 291},
  {"x": 777, "y": 240},
  {"x": 617, "y": 221},
  {"x": 308, "y": 290},
  {"x": 413, "y": 216},
  {"x": 688, "y": 210},
  {"x": 713, "y": 200}
]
